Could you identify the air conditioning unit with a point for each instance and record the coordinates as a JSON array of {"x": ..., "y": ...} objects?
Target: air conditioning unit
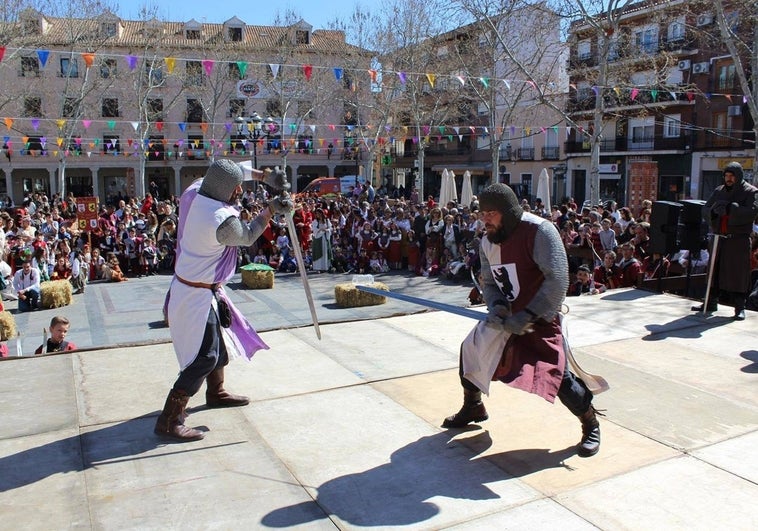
[
  {"x": 684, "y": 64},
  {"x": 701, "y": 68},
  {"x": 734, "y": 110},
  {"x": 704, "y": 19}
]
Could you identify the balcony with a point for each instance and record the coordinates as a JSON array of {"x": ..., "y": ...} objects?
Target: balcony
[
  {"x": 624, "y": 144},
  {"x": 551, "y": 153},
  {"x": 525, "y": 154}
]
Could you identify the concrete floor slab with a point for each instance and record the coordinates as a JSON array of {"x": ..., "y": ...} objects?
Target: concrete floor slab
[
  {"x": 540, "y": 514},
  {"x": 230, "y": 479},
  {"x": 697, "y": 496},
  {"x": 733, "y": 456},
  {"x": 369, "y": 462},
  {"x": 526, "y": 436},
  {"x": 41, "y": 485},
  {"x": 37, "y": 395}
]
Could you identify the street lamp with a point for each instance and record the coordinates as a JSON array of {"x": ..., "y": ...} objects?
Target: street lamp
[{"x": 251, "y": 128}]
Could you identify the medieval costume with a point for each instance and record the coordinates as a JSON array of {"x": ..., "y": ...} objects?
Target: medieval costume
[
  {"x": 205, "y": 326},
  {"x": 321, "y": 245},
  {"x": 524, "y": 278}
]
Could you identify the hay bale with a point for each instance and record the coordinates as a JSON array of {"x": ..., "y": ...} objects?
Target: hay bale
[
  {"x": 7, "y": 326},
  {"x": 55, "y": 293},
  {"x": 258, "y": 276},
  {"x": 348, "y": 296}
]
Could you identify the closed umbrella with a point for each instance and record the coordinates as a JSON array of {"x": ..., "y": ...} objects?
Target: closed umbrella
[
  {"x": 444, "y": 187},
  {"x": 466, "y": 192},
  {"x": 543, "y": 188},
  {"x": 453, "y": 191}
]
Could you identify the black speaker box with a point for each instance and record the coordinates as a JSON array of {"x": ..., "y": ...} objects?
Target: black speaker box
[
  {"x": 692, "y": 229},
  {"x": 664, "y": 226}
]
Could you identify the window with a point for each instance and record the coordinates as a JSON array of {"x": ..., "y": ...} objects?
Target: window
[
  {"x": 195, "y": 76},
  {"x": 154, "y": 110},
  {"x": 110, "y": 108},
  {"x": 642, "y": 133},
  {"x": 32, "y": 106},
  {"x": 69, "y": 107},
  {"x": 157, "y": 148},
  {"x": 584, "y": 49},
  {"x": 302, "y": 37},
  {"x": 194, "y": 110},
  {"x": 722, "y": 124},
  {"x": 154, "y": 73},
  {"x": 195, "y": 147},
  {"x": 727, "y": 77},
  {"x": 108, "y": 68},
  {"x": 236, "y": 107},
  {"x": 235, "y": 34},
  {"x": 676, "y": 30},
  {"x": 69, "y": 67},
  {"x": 109, "y": 29},
  {"x": 111, "y": 144},
  {"x": 672, "y": 126},
  {"x": 526, "y": 185},
  {"x": 613, "y": 49},
  {"x": 31, "y": 27},
  {"x": 234, "y": 71},
  {"x": 29, "y": 67},
  {"x": 193, "y": 34},
  {"x": 646, "y": 39}
]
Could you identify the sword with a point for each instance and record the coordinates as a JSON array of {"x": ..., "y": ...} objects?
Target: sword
[
  {"x": 595, "y": 383},
  {"x": 303, "y": 273},
  {"x": 711, "y": 267}
]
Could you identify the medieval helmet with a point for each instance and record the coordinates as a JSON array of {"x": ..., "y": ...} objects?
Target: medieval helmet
[
  {"x": 222, "y": 177},
  {"x": 736, "y": 169},
  {"x": 501, "y": 197}
]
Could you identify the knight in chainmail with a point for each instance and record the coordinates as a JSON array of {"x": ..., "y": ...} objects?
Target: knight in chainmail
[
  {"x": 525, "y": 279},
  {"x": 206, "y": 328}
]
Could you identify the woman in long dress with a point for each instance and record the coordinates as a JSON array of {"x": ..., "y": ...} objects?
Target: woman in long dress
[{"x": 321, "y": 244}]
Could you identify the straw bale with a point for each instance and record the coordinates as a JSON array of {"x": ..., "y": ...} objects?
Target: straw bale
[
  {"x": 55, "y": 293},
  {"x": 7, "y": 326},
  {"x": 258, "y": 279},
  {"x": 348, "y": 296}
]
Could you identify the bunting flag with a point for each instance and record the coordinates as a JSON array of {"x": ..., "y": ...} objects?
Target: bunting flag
[
  {"x": 204, "y": 127},
  {"x": 402, "y": 77},
  {"x": 338, "y": 72},
  {"x": 8, "y": 123},
  {"x": 60, "y": 123},
  {"x": 182, "y": 126},
  {"x": 274, "y": 70},
  {"x": 208, "y": 66},
  {"x": 242, "y": 67},
  {"x": 35, "y": 123},
  {"x": 2, "y": 52},
  {"x": 431, "y": 77},
  {"x": 59, "y": 141},
  {"x": 507, "y": 84},
  {"x": 42, "y": 55},
  {"x": 596, "y": 90},
  {"x": 485, "y": 82},
  {"x": 307, "y": 72},
  {"x": 170, "y": 64},
  {"x": 85, "y": 123},
  {"x": 111, "y": 124},
  {"x": 654, "y": 94},
  {"x": 633, "y": 94},
  {"x": 228, "y": 127},
  {"x": 617, "y": 91},
  {"x": 131, "y": 61},
  {"x": 135, "y": 125},
  {"x": 159, "y": 126}
]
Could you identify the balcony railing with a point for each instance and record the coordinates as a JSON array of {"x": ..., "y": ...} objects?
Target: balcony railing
[
  {"x": 656, "y": 143},
  {"x": 551, "y": 153},
  {"x": 525, "y": 153}
]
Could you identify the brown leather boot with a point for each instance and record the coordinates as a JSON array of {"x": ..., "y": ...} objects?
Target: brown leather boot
[
  {"x": 217, "y": 396},
  {"x": 471, "y": 411},
  {"x": 170, "y": 423},
  {"x": 590, "y": 443}
]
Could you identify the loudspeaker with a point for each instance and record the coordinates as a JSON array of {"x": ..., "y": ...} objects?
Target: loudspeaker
[
  {"x": 693, "y": 228},
  {"x": 664, "y": 224}
]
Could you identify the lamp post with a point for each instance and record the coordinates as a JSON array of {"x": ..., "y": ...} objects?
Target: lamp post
[{"x": 251, "y": 128}]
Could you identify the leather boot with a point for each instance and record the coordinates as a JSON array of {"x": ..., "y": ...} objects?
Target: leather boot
[
  {"x": 170, "y": 423},
  {"x": 590, "y": 443},
  {"x": 471, "y": 411},
  {"x": 217, "y": 396}
]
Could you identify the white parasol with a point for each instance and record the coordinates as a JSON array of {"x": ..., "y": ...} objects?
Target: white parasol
[
  {"x": 543, "y": 188},
  {"x": 466, "y": 192}
]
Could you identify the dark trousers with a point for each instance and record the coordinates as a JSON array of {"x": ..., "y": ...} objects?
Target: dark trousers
[
  {"x": 573, "y": 392},
  {"x": 211, "y": 355}
]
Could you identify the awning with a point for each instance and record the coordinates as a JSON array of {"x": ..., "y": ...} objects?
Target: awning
[{"x": 479, "y": 168}]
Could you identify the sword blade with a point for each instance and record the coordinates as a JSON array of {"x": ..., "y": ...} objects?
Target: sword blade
[
  {"x": 449, "y": 308},
  {"x": 303, "y": 273}
]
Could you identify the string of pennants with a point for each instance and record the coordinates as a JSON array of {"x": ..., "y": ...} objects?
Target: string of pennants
[{"x": 208, "y": 66}]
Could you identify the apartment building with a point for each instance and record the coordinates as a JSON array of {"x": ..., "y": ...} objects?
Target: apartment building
[
  {"x": 104, "y": 106},
  {"x": 657, "y": 77}
]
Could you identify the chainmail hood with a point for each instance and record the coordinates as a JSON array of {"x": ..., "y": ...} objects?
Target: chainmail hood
[
  {"x": 222, "y": 177},
  {"x": 736, "y": 169},
  {"x": 501, "y": 197}
]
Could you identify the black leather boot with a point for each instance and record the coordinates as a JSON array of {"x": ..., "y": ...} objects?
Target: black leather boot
[
  {"x": 170, "y": 423},
  {"x": 590, "y": 443},
  {"x": 217, "y": 396},
  {"x": 472, "y": 411}
]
